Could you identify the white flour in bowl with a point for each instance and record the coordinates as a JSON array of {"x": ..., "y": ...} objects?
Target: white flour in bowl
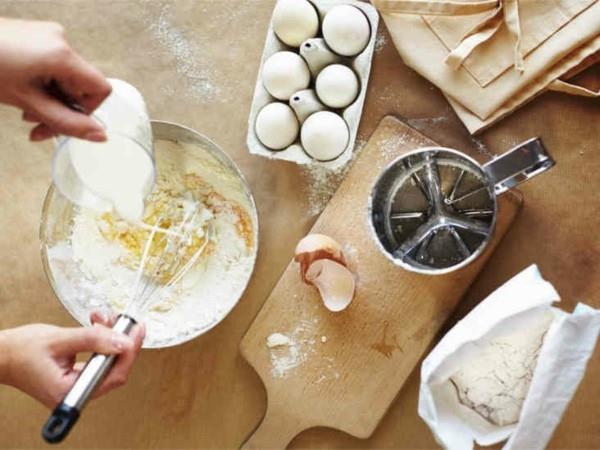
[{"x": 95, "y": 267}]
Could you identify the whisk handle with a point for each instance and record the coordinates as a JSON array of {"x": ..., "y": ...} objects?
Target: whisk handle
[{"x": 65, "y": 415}]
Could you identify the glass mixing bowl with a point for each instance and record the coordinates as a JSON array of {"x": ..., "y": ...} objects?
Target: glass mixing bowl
[{"x": 58, "y": 218}]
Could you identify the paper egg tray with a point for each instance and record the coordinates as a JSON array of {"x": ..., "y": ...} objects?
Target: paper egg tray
[{"x": 361, "y": 64}]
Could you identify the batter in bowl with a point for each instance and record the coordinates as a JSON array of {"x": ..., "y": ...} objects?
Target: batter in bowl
[{"x": 94, "y": 266}]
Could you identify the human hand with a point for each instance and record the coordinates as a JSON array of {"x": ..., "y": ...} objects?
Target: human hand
[
  {"x": 40, "y": 359},
  {"x": 35, "y": 56}
]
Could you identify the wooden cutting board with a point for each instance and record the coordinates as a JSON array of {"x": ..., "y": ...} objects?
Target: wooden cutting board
[{"x": 343, "y": 370}]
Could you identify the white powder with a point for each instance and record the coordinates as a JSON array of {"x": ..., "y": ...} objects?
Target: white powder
[
  {"x": 293, "y": 352},
  {"x": 389, "y": 147},
  {"x": 497, "y": 380},
  {"x": 482, "y": 148},
  {"x": 321, "y": 183},
  {"x": 290, "y": 350},
  {"x": 188, "y": 61},
  {"x": 380, "y": 42}
]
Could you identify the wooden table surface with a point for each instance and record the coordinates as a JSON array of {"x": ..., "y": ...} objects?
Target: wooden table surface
[{"x": 196, "y": 63}]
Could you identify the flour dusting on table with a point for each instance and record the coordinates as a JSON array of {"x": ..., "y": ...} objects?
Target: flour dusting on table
[
  {"x": 321, "y": 183},
  {"x": 380, "y": 42},
  {"x": 188, "y": 60}
]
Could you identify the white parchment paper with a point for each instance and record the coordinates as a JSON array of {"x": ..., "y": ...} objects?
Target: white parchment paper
[{"x": 567, "y": 347}]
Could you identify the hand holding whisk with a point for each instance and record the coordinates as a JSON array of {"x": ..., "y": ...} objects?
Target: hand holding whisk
[{"x": 153, "y": 274}]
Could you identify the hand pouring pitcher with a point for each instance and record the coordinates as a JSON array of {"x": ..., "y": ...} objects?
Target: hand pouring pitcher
[{"x": 434, "y": 210}]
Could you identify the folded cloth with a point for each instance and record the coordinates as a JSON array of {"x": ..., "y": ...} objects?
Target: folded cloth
[
  {"x": 588, "y": 55},
  {"x": 484, "y": 54}
]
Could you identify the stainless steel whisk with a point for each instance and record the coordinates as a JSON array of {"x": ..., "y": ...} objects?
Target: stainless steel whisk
[{"x": 146, "y": 285}]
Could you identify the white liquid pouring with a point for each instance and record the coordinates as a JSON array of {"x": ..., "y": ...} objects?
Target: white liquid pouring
[{"x": 119, "y": 173}]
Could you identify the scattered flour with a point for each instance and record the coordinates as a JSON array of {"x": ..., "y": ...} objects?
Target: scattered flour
[
  {"x": 380, "y": 42},
  {"x": 423, "y": 122},
  {"x": 288, "y": 351},
  {"x": 389, "y": 97},
  {"x": 389, "y": 147},
  {"x": 482, "y": 148},
  {"x": 321, "y": 183},
  {"x": 351, "y": 256},
  {"x": 188, "y": 58}
]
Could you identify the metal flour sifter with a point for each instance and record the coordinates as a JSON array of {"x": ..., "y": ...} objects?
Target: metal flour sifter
[{"x": 434, "y": 210}]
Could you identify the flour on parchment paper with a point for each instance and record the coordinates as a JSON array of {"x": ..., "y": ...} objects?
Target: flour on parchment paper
[
  {"x": 380, "y": 42},
  {"x": 188, "y": 57}
]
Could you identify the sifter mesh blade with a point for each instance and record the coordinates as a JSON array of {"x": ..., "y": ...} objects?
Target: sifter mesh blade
[{"x": 433, "y": 209}]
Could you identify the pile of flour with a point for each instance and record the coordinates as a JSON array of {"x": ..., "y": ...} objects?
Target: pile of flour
[{"x": 496, "y": 381}]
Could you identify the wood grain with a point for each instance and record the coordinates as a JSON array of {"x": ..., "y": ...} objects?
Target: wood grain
[{"x": 349, "y": 381}]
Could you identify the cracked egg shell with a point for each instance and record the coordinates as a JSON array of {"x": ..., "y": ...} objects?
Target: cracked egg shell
[
  {"x": 314, "y": 247},
  {"x": 335, "y": 283}
]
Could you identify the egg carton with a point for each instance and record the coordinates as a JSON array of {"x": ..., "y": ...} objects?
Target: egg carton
[{"x": 361, "y": 64}]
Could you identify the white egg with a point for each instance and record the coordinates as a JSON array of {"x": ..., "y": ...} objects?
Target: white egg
[
  {"x": 276, "y": 126},
  {"x": 285, "y": 73},
  {"x": 346, "y": 30},
  {"x": 294, "y": 21},
  {"x": 324, "y": 135},
  {"x": 337, "y": 86}
]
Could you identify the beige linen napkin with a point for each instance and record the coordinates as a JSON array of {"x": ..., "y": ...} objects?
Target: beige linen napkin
[{"x": 491, "y": 56}]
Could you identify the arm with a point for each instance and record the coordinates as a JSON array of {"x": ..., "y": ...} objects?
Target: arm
[
  {"x": 40, "y": 359},
  {"x": 34, "y": 56}
]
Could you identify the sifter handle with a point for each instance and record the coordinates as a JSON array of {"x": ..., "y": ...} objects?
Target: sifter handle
[
  {"x": 65, "y": 415},
  {"x": 519, "y": 164}
]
